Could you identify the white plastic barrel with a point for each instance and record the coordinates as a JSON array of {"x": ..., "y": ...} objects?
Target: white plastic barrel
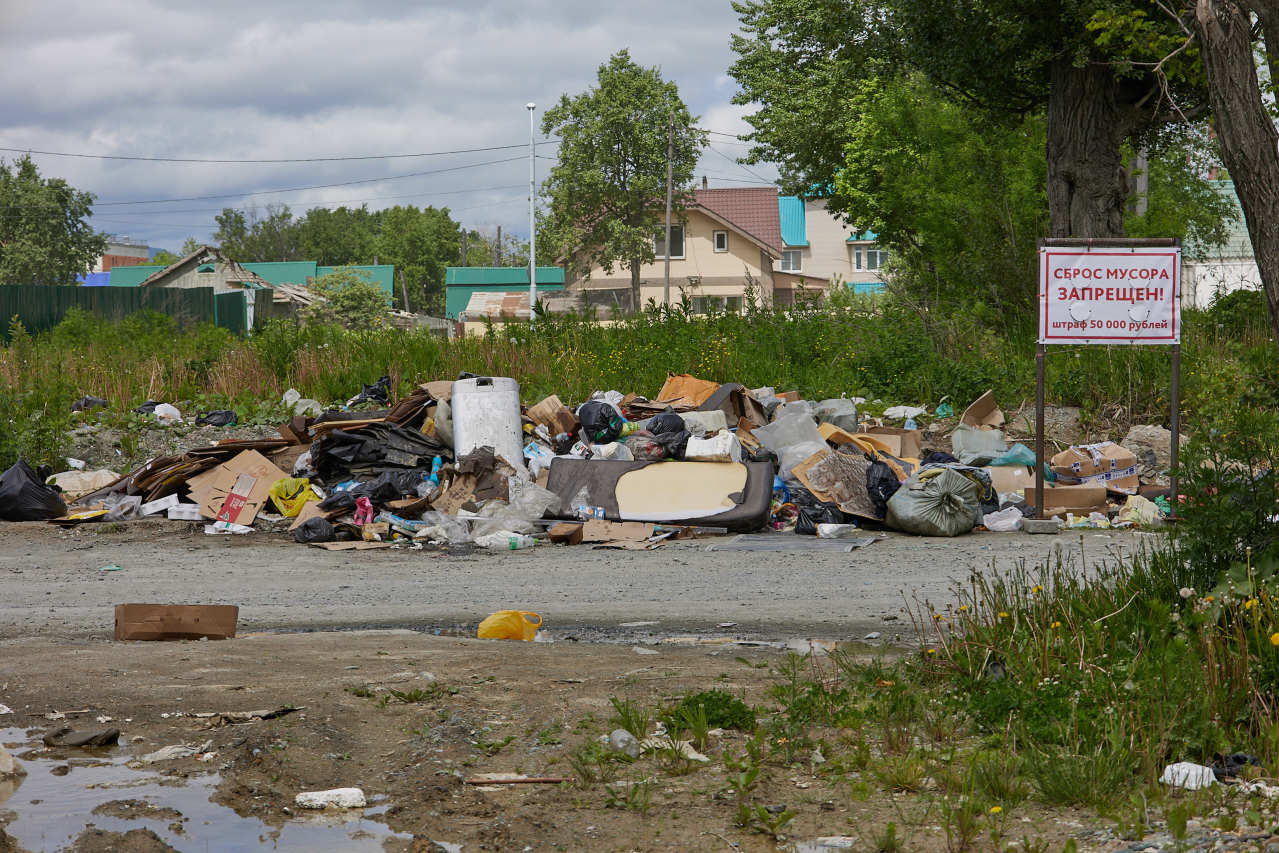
[{"x": 486, "y": 413}]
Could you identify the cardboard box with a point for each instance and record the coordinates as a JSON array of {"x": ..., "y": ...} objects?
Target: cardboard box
[
  {"x": 902, "y": 443},
  {"x": 175, "y": 621},
  {"x": 248, "y": 476},
  {"x": 566, "y": 533},
  {"x": 1105, "y": 464},
  {"x": 1011, "y": 478},
  {"x": 598, "y": 530},
  {"x": 984, "y": 413},
  {"x": 554, "y": 415},
  {"x": 789, "y": 396},
  {"x": 1060, "y": 500}
]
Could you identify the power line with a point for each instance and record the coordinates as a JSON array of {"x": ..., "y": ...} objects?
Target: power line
[
  {"x": 144, "y": 159},
  {"x": 313, "y": 187},
  {"x": 739, "y": 165}
]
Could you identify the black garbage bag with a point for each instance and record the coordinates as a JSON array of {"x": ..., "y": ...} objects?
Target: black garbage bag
[
  {"x": 665, "y": 422},
  {"x": 819, "y": 513},
  {"x": 88, "y": 402},
  {"x": 371, "y": 449},
  {"x": 25, "y": 497},
  {"x": 938, "y": 457},
  {"x": 314, "y": 530},
  {"x": 378, "y": 392},
  {"x": 147, "y": 408},
  {"x": 1231, "y": 766},
  {"x": 600, "y": 421},
  {"x": 217, "y": 418},
  {"x": 344, "y": 501},
  {"x": 881, "y": 484},
  {"x": 812, "y": 512}
]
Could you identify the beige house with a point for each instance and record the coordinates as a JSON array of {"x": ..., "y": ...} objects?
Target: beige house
[
  {"x": 726, "y": 239},
  {"x": 823, "y": 249}
]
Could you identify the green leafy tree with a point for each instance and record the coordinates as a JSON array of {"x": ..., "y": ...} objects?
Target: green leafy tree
[
  {"x": 344, "y": 235},
  {"x": 164, "y": 257},
  {"x": 45, "y": 236},
  {"x": 1103, "y": 73},
  {"x": 253, "y": 235},
  {"x": 608, "y": 190},
  {"x": 351, "y": 300},
  {"x": 420, "y": 243}
]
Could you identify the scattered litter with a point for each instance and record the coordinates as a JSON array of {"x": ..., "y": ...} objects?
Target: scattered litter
[
  {"x": 338, "y": 798},
  {"x": 509, "y": 625},
  {"x": 175, "y": 621},
  {"x": 640, "y": 650},
  {"x": 216, "y": 719},
  {"x": 174, "y": 752},
  {"x": 683, "y": 748},
  {"x": 67, "y": 736},
  {"x": 9, "y": 766},
  {"x": 110, "y": 567},
  {"x": 5, "y": 709},
  {"x": 514, "y": 779},
  {"x": 1190, "y": 776},
  {"x": 620, "y": 740}
]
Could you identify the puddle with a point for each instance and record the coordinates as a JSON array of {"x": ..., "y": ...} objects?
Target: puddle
[
  {"x": 53, "y": 810},
  {"x": 823, "y": 845}
]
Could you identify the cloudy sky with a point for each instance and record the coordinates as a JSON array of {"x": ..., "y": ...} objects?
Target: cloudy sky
[{"x": 289, "y": 79}]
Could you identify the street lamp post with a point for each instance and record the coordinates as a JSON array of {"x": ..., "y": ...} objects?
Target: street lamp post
[{"x": 532, "y": 219}]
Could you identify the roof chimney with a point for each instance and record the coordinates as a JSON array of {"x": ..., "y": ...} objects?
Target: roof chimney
[{"x": 704, "y": 182}]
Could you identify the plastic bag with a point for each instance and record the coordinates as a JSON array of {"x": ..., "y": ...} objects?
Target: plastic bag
[
  {"x": 314, "y": 530},
  {"x": 88, "y": 402},
  {"x": 814, "y": 514},
  {"x": 614, "y": 451},
  {"x": 665, "y": 422},
  {"x": 23, "y": 497},
  {"x": 510, "y": 625},
  {"x": 1018, "y": 454},
  {"x": 723, "y": 447},
  {"x": 1142, "y": 512},
  {"x": 217, "y": 418},
  {"x": 166, "y": 414},
  {"x": 601, "y": 421},
  {"x": 122, "y": 507},
  {"x": 1005, "y": 521},
  {"x": 942, "y": 505},
  {"x": 881, "y": 484},
  {"x": 840, "y": 412},
  {"x": 646, "y": 447},
  {"x": 290, "y": 494},
  {"x": 444, "y": 528},
  {"x": 973, "y": 446},
  {"x": 299, "y": 405},
  {"x": 378, "y": 392},
  {"x": 532, "y": 501},
  {"x": 701, "y": 424}
]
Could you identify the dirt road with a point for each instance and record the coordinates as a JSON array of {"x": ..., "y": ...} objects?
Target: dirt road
[{"x": 54, "y": 586}]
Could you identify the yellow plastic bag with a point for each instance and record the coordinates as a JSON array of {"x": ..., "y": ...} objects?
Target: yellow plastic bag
[
  {"x": 290, "y": 494},
  {"x": 510, "y": 625}
]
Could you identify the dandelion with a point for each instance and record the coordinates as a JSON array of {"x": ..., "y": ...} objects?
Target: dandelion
[
  {"x": 963, "y": 608},
  {"x": 934, "y": 651},
  {"x": 996, "y": 809},
  {"x": 937, "y": 616},
  {"x": 1210, "y": 599},
  {"x": 1186, "y": 591},
  {"x": 1056, "y": 625},
  {"x": 1274, "y": 639},
  {"x": 1249, "y": 604},
  {"x": 1003, "y": 614},
  {"x": 1038, "y": 589}
]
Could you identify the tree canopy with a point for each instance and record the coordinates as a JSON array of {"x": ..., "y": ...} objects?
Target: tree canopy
[
  {"x": 608, "y": 190},
  {"x": 45, "y": 236}
]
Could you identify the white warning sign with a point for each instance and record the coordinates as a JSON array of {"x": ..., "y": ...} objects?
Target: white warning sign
[{"x": 1109, "y": 295}]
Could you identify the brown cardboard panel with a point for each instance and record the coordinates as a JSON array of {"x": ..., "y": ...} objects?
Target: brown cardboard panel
[
  {"x": 598, "y": 530},
  {"x": 984, "y": 413},
  {"x": 211, "y": 489},
  {"x": 1011, "y": 478},
  {"x": 175, "y": 621},
  {"x": 789, "y": 396},
  {"x": 554, "y": 415},
  {"x": 309, "y": 510},
  {"x": 441, "y": 389},
  {"x": 683, "y": 389},
  {"x": 351, "y": 546},
  {"x": 902, "y": 443},
  {"x": 1079, "y": 500}
]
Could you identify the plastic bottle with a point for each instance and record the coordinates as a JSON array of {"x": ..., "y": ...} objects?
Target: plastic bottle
[{"x": 910, "y": 424}]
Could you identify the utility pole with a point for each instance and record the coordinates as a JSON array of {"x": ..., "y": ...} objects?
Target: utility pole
[
  {"x": 404, "y": 289},
  {"x": 670, "y": 155},
  {"x": 497, "y": 248},
  {"x": 532, "y": 219},
  {"x": 462, "y": 261}
]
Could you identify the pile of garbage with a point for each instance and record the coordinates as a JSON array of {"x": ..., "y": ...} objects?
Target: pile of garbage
[{"x": 464, "y": 463}]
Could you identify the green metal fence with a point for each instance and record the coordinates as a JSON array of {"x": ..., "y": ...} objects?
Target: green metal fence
[{"x": 41, "y": 307}]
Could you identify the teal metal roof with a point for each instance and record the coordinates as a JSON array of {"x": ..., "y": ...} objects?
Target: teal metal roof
[
  {"x": 284, "y": 272},
  {"x": 790, "y": 208},
  {"x": 382, "y": 275},
  {"x": 489, "y": 276},
  {"x": 1238, "y": 243},
  {"x": 863, "y": 237},
  {"x": 132, "y": 276}
]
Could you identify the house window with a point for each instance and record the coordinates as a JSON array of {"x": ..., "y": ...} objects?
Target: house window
[
  {"x": 721, "y": 241},
  {"x": 875, "y": 258},
  {"x": 677, "y": 242},
  {"x": 733, "y": 304},
  {"x": 792, "y": 260}
]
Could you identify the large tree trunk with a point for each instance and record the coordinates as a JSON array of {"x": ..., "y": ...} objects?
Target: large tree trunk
[
  {"x": 1087, "y": 186},
  {"x": 635, "y": 286},
  {"x": 1249, "y": 143}
]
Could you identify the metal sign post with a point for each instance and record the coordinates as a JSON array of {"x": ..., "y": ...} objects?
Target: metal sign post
[{"x": 1109, "y": 292}]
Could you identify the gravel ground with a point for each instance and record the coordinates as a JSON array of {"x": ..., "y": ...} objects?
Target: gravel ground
[{"x": 54, "y": 587}]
